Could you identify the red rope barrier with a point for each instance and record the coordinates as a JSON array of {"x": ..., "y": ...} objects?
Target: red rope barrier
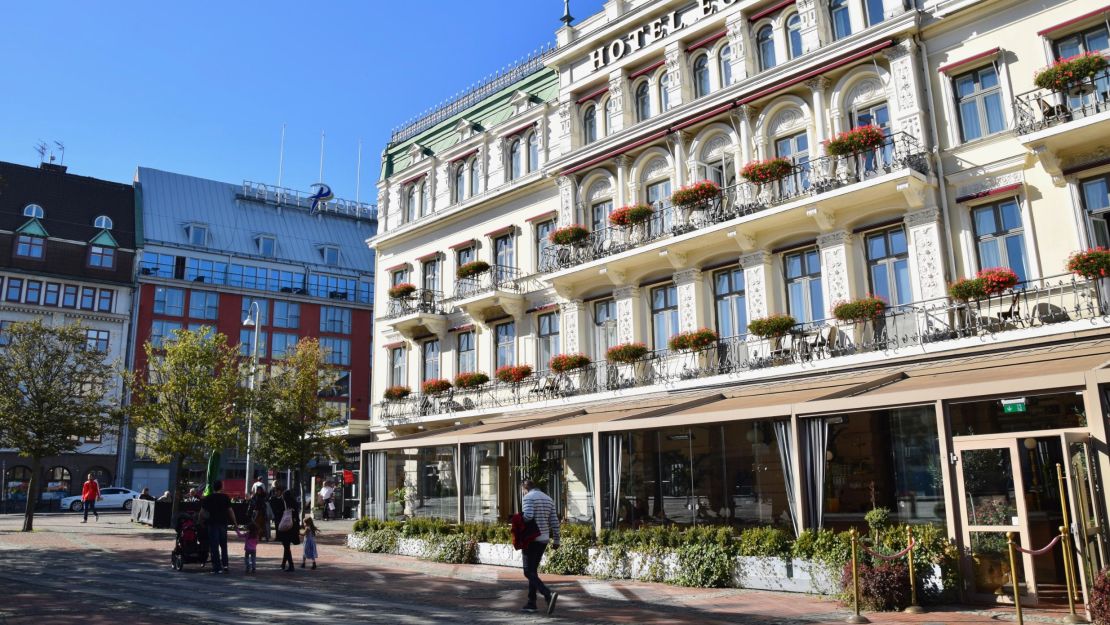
[
  {"x": 895, "y": 556},
  {"x": 1038, "y": 552}
]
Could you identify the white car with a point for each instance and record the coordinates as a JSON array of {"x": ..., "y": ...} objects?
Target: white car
[{"x": 111, "y": 497}]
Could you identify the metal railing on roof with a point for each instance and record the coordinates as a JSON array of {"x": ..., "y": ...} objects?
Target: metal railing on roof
[
  {"x": 282, "y": 196},
  {"x": 498, "y": 81}
]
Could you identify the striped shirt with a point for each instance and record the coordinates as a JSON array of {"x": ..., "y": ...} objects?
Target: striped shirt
[{"x": 537, "y": 505}]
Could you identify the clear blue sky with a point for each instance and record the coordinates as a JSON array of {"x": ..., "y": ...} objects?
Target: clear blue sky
[{"x": 203, "y": 87}]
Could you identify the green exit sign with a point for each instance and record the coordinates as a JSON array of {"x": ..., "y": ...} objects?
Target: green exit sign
[{"x": 1010, "y": 406}]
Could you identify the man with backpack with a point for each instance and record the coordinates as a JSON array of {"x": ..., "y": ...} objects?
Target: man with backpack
[{"x": 537, "y": 507}]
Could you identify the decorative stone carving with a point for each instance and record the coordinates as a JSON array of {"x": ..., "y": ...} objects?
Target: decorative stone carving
[
  {"x": 656, "y": 168},
  {"x": 904, "y": 80},
  {"x": 601, "y": 189},
  {"x": 566, "y": 115},
  {"x": 715, "y": 147},
  {"x": 983, "y": 182},
  {"x": 922, "y": 217},
  {"x": 786, "y": 120},
  {"x": 825, "y": 219},
  {"x": 834, "y": 266},
  {"x": 755, "y": 280},
  {"x": 566, "y": 200},
  {"x": 737, "y": 26},
  {"x": 820, "y": 83},
  {"x": 627, "y": 299},
  {"x": 571, "y": 317},
  {"x": 832, "y": 239},
  {"x": 864, "y": 91},
  {"x": 927, "y": 252}
]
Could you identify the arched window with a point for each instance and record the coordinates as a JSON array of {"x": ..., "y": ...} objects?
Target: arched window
[
  {"x": 725, "y": 59},
  {"x": 460, "y": 182},
  {"x": 701, "y": 76},
  {"x": 533, "y": 151},
  {"x": 33, "y": 210},
  {"x": 475, "y": 176},
  {"x": 589, "y": 125},
  {"x": 57, "y": 483},
  {"x": 515, "y": 162},
  {"x": 410, "y": 204},
  {"x": 611, "y": 115},
  {"x": 794, "y": 35},
  {"x": 841, "y": 22},
  {"x": 103, "y": 222},
  {"x": 664, "y": 92},
  {"x": 643, "y": 102},
  {"x": 16, "y": 482},
  {"x": 765, "y": 44},
  {"x": 425, "y": 199}
]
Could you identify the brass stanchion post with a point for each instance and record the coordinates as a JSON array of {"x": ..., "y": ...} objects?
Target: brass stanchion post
[
  {"x": 857, "y": 617},
  {"x": 913, "y": 608},
  {"x": 1065, "y": 540},
  {"x": 1014, "y": 578}
]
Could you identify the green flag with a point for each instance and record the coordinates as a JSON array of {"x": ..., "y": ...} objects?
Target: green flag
[{"x": 213, "y": 473}]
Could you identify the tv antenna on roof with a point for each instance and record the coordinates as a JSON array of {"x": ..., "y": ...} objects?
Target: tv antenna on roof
[
  {"x": 61, "y": 153},
  {"x": 41, "y": 148}
]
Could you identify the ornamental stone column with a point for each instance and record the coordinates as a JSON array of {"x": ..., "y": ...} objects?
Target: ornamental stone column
[
  {"x": 836, "y": 283},
  {"x": 923, "y": 235},
  {"x": 565, "y": 127},
  {"x": 618, "y": 87},
  {"x": 813, "y": 24},
  {"x": 567, "y": 211},
  {"x": 620, "y": 197},
  {"x": 689, "y": 285},
  {"x": 674, "y": 58},
  {"x": 573, "y": 318},
  {"x": 817, "y": 87},
  {"x": 679, "y": 158},
  {"x": 628, "y": 314},
  {"x": 737, "y": 26},
  {"x": 905, "y": 91},
  {"x": 757, "y": 274}
]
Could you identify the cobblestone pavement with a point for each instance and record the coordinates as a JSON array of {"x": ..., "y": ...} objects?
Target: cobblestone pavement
[{"x": 113, "y": 571}]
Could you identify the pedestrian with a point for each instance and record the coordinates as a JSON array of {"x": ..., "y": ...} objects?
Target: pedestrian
[
  {"x": 256, "y": 509},
  {"x": 218, "y": 512},
  {"x": 90, "y": 494},
  {"x": 259, "y": 482},
  {"x": 250, "y": 547},
  {"x": 287, "y": 527},
  {"x": 309, "y": 549},
  {"x": 327, "y": 499},
  {"x": 145, "y": 495},
  {"x": 166, "y": 496},
  {"x": 537, "y": 506}
]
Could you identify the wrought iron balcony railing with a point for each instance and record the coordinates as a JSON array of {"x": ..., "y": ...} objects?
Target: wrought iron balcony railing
[
  {"x": 1043, "y": 108},
  {"x": 806, "y": 178},
  {"x": 496, "y": 278},
  {"x": 424, "y": 301},
  {"x": 1034, "y": 303}
]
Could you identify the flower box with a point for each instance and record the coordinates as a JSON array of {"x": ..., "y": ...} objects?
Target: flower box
[
  {"x": 696, "y": 194},
  {"x": 471, "y": 379},
  {"x": 401, "y": 291},
  {"x": 396, "y": 393},
  {"x": 631, "y": 215},
  {"x": 568, "y": 362},
  {"x": 1092, "y": 264},
  {"x": 1066, "y": 73},
  {"x": 864, "y": 309},
  {"x": 513, "y": 374},
  {"x": 627, "y": 353},
  {"x": 471, "y": 269},
  {"x": 431, "y": 387},
  {"x": 773, "y": 326},
  {"x": 967, "y": 289},
  {"x": 855, "y": 141},
  {"x": 692, "y": 341},
  {"x": 998, "y": 279},
  {"x": 570, "y": 235},
  {"x": 767, "y": 171}
]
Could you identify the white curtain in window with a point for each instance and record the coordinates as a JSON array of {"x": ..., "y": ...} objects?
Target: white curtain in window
[
  {"x": 784, "y": 437},
  {"x": 815, "y": 434}
]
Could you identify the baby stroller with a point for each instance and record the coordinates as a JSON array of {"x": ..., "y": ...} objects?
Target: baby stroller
[{"x": 191, "y": 544}]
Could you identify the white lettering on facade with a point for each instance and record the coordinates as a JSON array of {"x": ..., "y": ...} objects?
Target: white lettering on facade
[{"x": 654, "y": 31}]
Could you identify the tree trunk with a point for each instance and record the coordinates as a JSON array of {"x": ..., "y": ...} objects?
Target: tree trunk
[
  {"x": 32, "y": 495},
  {"x": 306, "y": 501},
  {"x": 175, "y": 506}
]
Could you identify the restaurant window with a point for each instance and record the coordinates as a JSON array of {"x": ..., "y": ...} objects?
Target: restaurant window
[
  {"x": 664, "y": 315},
  {"x": 427, "y": 478},
  {"x": 979, "y": 103},
  {"x": 548, "y": 339},
  {"x": 888, "y": 266},
  {"x": 431, "y": 359},
  {"x": 803, "y": 285},
  {"x": 731, "y": 302},
  {"x": 506, "y": 345},
  {"x": 467, "y": 359},
  {"x": 999, "y": 236}
]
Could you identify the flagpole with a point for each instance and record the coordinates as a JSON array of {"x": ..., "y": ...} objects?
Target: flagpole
[
  {"x": 281, "y": 155},
  {"x": 358, "y": 171},
  {"x": 321, "y": 179}
]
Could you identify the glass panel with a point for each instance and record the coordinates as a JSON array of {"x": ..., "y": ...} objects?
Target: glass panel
[
  {"x": 876, "y": 246},
  {"x": 990, "y": 563},
  {"x": 969, "y": 121},
  {"x": 1015, "y": 255},
  {"x": 421, "y": 483},
  {"x": 816, "y": 300},
  {"x": 898, "y": 241},
  {"x": 880, "y": 281},
  {"x": 487, "y": 471},
  {"x": 902, "y": 287},
  {"x": 793, "y": 265},
  {"x": 989, "y": 487},
  {"x": 1095, "y": 195},
  {"x": 1041, "y": 412},
  {"x": 795, "y": 294},
  {"x": 996, "y": 119},
  {"x": 989, "y": 254},
  {"x": 988, "y": 79},
  {"x": 1011, "y": 215}
]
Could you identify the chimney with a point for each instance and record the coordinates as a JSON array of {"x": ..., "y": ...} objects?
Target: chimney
[{"x": 54, "y": 167}]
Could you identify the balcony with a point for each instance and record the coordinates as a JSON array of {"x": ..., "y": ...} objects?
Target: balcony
[
  {"x": 1051, "y": 123},
  {"x": 492, "y": 293},
  {"x": 1046, "y": 306},
  {"x": 419, "y": 313},
  {"x": 833, "y": 182}
]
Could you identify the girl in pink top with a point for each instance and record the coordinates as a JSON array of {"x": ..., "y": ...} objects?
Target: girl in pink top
[{"x": 250, "y": 546}]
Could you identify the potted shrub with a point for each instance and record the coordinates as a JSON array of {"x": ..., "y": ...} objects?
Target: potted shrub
[
  {"x": 513, "y": 374},
  {"x": 631, "y": 215},
  {"x": 569, "y": 235},
  {"x": 692, "y": 341},
  {"x": 1092, "y": 264},
  {"x": 761, "y": 172},
  {"x": 568, "y": 362},
  {"x": 401, "y": 291},
  {"x": 697, "y": 194},
  {"x": 855, "y": 141},
  {"x": 471, "y": 269},
  {"x": 997, "y": 279},
  {"x": 431, "y": 387},
  {"x": 397, "y": 393},
  {"x": 967, "y": 289},
  {"x": 627, "y": 353},
  {"x": 863, "y": 309},
  {"x": 1073, "y": 73},
  {"x": 772, "y": 326},
  {"x": 471, "y": 379}
]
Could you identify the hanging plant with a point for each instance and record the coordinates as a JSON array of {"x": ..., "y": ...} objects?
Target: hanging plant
[
  {"x": 401, "y": 291},
  {"x": 568, "y": 362},
  {"x": 772, "y": 326},
  {"x": 627, "y": 353},
  {"x": 1065, "y": 73},
  {"x": 431, "y": 387},
  {"x": 471, "y": 269},
  {"x": 863, "y": 309},
  {"x": 1091, "y": 264},
  {"x": 855, "y": 141},
  {"x": 767, "y": 171},
  {"x": 631, "y": 215},
  {"x": 696, "y": 194},
  {"x": 513, "y": 374},
  {"x": 396, "y": 393},
  {"x": 692, "y": 341},
  {"x": 569, "y": 235},
  {"x": 471, "y": 379}
]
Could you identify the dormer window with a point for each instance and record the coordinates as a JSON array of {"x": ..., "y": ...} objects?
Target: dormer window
[
  {"x": 28, "y": 246},
  {"x": 34, "y": 211},
  {"x": 267, "y": 245},
  {"x": 103, "y": 222},
  {"x": 102, "y": 257},
  {"x": 330, "y": 254},
  {"x": 198, "y": 234}
]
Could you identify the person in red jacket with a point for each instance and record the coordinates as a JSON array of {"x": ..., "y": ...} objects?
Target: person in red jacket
[{"x": 90, "y": 494}]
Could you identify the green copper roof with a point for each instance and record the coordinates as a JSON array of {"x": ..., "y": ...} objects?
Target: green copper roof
[
  {"x": 33, "y": 228},
  {"x": 104, "y": 239}
]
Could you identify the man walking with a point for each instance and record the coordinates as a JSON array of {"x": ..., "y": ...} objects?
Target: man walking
[
  {"x": 327, "y": 499},
  {"x": 90, "y": 494},
  {"x": 537, "y": 506},
  {"x": 217, "y": 506}
]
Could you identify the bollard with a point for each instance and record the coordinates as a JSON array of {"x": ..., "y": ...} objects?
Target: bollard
[
  {"x": 1014, "y": 578},
  {"x": 857, "y": 617},
  {"x": 913, "y": 608},
  {"x": 1065, "y": 539}
]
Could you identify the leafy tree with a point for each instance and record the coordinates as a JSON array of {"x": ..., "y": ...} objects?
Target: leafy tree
[
  {"x": 292, "y": 419},
  {"x": 186, "y": 404},
  {"x": 53, "y": 390}
]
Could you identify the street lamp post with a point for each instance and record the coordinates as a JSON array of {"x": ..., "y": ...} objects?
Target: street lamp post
[{"x": 252, "y": 321}]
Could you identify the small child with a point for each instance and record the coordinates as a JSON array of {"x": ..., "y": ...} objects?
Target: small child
[
  {"x": 250, "y": 546},
  {"x": 310, "y": 532}
]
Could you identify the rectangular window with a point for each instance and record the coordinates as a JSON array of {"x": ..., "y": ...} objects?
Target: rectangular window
[
  {"x": 400, "y": 276},
  {"x": 167, "y": 301},
  {"x": 888, "y": 266},
  {"x": 210, "y": 271},
  {"x": 52, "y": 294},
  {"x": 198, "y": 235},
  {"x": 69, "y": 297},
  {"x": 331, "y": 255},
  {"x": 287, "y": 315},
  {"x": 266, "y": 246},
  {"x": 332, "y": 287},
  {"x": 465, "y": 255},
  {"x": 397, "y": 369},
  {"x": 548, "y": 339},
  {"x": 875, "y": 12},
  {"x": 284, "y": 344},
  {"x": 979, "y": 103},
  {"x": 96, "y": 340},
  {"x": 599, "y": 216},
  {"x": 504, "y": 257},
  {"x": 999, "y": 236},
  {"x": 14, "y": 290},
  {"x": 543, "y": 242},
  {"x": 1095, "y": 194},
  {"x": 664, "y": 315},
  {"x": 338, "y": 350},
  {"x": 731, "y": 302},
  {"x": 335, "y": 320},
  {"x": 467, "y": 357},
  {"x": 803, "y": 285},
  {"x": 263, "y": 310},
  {"x": 431, "y": 359},
  {"x": 246, "y": 343},
  {"x": 33, "y": 293},
  {"x": 204, "y": 304},
  {"x": 1095, "y": 39},
  {"x": 506, "y": 345},
  {"x": 29, "y": 247},
  {"x": 162, "y": 330},
  {"x": 159, "y": 265},
  {"x": 102, "y": 257},
  {"x": 430, "y": 269},
  {"x": 605, "y": 328},
  {"x": 796, "y": 149},
  {"x": 104, "y": 300},
  {"x": 88, "y": 298},
  {"x": 841, "y": 19}
]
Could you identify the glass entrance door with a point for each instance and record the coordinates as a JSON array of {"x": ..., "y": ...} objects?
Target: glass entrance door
[{"x": 1087, "y": 512}]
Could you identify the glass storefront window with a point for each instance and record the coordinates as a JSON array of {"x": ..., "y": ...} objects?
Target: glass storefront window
[
  {"x": 1037, "y": 412},
  {"x": 486, "y": 483},
  {"x": 421, "y": 482}
]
